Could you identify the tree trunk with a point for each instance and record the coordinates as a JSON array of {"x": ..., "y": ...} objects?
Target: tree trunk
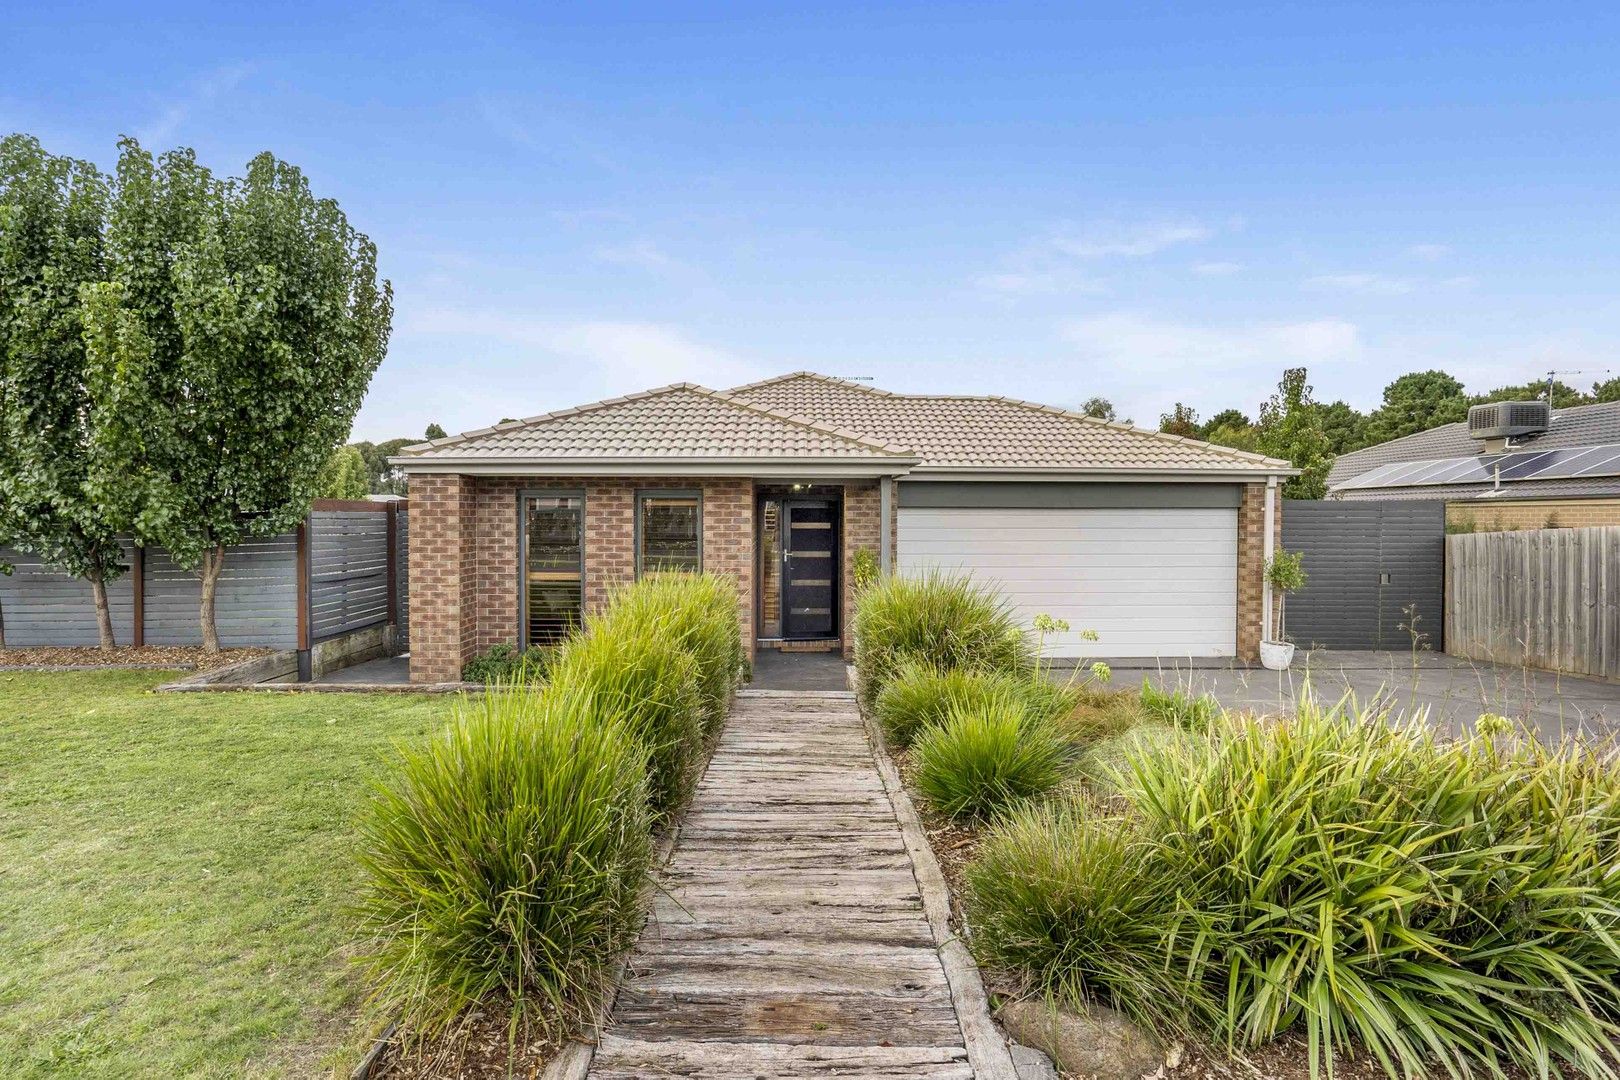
[
  {"x": 213, "y": 563},
  {"x": 104, "y": 627}
]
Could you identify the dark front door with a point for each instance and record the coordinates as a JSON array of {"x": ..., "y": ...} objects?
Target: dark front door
[{"x": 810, "y": 569}]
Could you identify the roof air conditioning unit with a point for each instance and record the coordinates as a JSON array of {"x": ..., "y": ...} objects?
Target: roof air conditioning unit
[{"x": 1509, "y": 419}]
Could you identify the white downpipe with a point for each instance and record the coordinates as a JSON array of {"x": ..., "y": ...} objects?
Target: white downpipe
[
  {"x": 885, "y": 524},
  {"x": 1267, "y": 549}
]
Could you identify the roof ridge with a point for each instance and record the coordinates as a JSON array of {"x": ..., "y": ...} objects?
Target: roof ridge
[
  {"x": 555, "y": 414},
  {"x": 783, "y": 415},
  {"x": 816, "y": 375},
  {"x": 1163, "y": 436}
]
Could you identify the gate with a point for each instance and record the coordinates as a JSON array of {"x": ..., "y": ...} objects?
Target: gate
[{"x": 1372, "y": 567}]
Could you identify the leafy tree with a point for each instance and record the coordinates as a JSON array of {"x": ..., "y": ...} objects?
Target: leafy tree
[
  {"x": 434, "y": 431},
  {"x": 1416, "y": 402},
  {"x": 228, "y": 352},
  {"x": 1291, "y": 428},
  {"x": 1563, "y": 395},
  {"x": 1238, "y": 436},
  {"x": 381, "y": 477},
  {"x": 52, "y": 211},
  {"x": 1181, "y": 420},
  {"x": 342, "y": 475},
  {"x": 1226, "y": 418},
  {"x": 1607, "y": 390},
  {"x": 1345, "y": 427},
  {"x": 1099, "y": 407}
]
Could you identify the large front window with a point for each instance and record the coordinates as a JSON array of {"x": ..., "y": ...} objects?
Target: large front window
[
  {"x": 669, "y": 531},
  {"x": 553, "y": 566}
]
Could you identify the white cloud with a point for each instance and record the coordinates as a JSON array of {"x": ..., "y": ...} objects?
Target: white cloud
[
  {"x": 1361, "y": 284},
  {"x": 1216, "y": 269},
  {"x": 200, "y": 92},
  {"x": 1429, "y": 252},
  {"x": 638, "y": 254},
  {"x": 1143, "y": 344},
  {"x": 1108, "y": 240}
]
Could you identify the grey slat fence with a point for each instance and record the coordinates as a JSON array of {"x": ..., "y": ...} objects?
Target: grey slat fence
[
  {"x": 1547, "y": 598},
  {"x": 342, "y": 571}
]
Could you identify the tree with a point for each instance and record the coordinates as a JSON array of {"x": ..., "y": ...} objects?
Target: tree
[
  {"x": 1607, "y": 390},
  {"x": 1563, "y": 395},
  {"x": 1291, "y": 428},
  {"x": 52, "y": 211},
  {"x": 1181, "y": 420},
  {"x": 1226, "y": 418},
  {"x": 1099, "y": 407},
  {"x": 1345, "y": 428},
  {"x": 434, "y": 431},
  {"x": 1417, "y": 402},
  {"x": 342, "y": 475},
  {"x": 228, "y": 352},
  {"x": 1238, "y": 436}
]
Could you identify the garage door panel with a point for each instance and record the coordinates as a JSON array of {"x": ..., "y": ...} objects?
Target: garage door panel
[{"x": 1151, "y": 582}]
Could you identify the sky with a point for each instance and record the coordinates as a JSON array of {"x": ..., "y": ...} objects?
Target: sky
[{"x": 1146, "y": 202}]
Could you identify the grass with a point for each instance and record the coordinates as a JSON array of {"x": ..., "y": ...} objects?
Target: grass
[
  {"x": 505, "y": 857},
  {"x": 988, "y": 757},
  {"x": 174, "y": 871},
  {"x": 1442, "y": 906}
]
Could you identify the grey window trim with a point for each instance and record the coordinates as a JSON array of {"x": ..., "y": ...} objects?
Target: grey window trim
[
  {"x": 643, "y": 494},
  {"x": 523, "y": 495}
]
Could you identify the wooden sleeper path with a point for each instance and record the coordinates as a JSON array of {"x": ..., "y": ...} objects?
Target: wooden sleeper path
[{"x": 789, "y": 937}]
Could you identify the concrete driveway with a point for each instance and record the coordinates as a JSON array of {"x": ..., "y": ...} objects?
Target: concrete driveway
[{"x": 1454, "y": 691}]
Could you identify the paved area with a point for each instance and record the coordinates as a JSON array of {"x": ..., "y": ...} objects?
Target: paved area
[
  {"x": 1453, "y": 690},
  {"x": 789, "y": 937},
  {"x": 384, "y": 671},
  {"x": 776, "y": 670}
]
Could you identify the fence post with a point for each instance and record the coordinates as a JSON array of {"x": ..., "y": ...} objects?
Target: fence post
[
  {"x": 393, "y": 571},
  {"x": 305, "y": 666},
  {"x": 137, "y": 588}
]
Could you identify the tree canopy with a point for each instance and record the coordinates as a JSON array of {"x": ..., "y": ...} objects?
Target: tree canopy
[
  {"x": 52, "y": 211},
  {"x": 1181, "y": 420},
  {"x": 1416, "y": 402},
  {"x": 1099, "y": 407},
  {"x": 229, "y": 348},
  {"x": 343, "y": 475},
  {"x": 1291, "y": 428}
]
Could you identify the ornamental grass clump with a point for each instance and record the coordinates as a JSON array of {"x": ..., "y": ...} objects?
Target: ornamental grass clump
[
  {"x": 919, "y": 695},
  {"x": 1443, "y": 906},
  {"x": 698, "y": 613},
  {"x": 988, "y": 757},
  {"x": 947, "y": 620},
  {"x": 504, "y": 857},
  {"x": 636, "y": 672},
  {"x": 1179, "y": 706}
]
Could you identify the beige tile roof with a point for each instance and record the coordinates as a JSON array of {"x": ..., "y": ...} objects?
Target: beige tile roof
[
  {"x": 682, "y": 422},
  {"x": 994, "y": 433}
]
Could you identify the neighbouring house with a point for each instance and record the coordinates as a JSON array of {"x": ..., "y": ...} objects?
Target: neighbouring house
[
  {"x": 1154, "y": 541},
  {"x": 1510, "y": 465}
]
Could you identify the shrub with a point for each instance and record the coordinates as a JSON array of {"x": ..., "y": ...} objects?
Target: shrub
[
  {"x": 1179, "y": 706},
  {"x": 1343, "y": 875},
  {"x": 984, "y": 759},
  {"x": 947, "y": 620},
  {"x": 697, "y": 612},
  {"x": 504, "y": 663},
  {"x": 505, "y": 856},
  {"x": 631, "y": 671},
  {"x": 920, "y": 695}
]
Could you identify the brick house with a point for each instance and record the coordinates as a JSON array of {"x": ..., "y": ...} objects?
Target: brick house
[{"x": 1154, "y": 541}]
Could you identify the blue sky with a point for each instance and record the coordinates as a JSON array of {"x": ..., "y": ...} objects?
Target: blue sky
[{"x": 1149, "y": 202}]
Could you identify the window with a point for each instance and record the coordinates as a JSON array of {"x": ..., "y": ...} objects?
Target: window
[
  {"x": 553, "y": 566},
  {"x": 669, "y": 531}
]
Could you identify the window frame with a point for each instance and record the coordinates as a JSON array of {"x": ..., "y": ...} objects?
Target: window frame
[
  {"x": 642, "y": 495},
  {"x": 523, "y": 497}
]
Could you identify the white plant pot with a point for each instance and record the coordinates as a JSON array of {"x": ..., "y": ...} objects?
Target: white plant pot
[{"x": 1276, "y": 655}]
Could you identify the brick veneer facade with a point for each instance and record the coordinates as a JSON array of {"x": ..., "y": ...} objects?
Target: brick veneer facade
[
  {"x": 1509, "y": 514},
  {"x": 862, "y": 532},
  {"x": 464, "y": 569},
  {"x": 1251, "y": 566}
]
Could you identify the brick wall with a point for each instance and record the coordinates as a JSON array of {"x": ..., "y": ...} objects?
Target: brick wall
[
  {"x": 1493, "y": 516},
  {"x": 441, "y": 561},
  {"x": 1251, "y": 567},
  {"x": 862, "y": 526},
  {"x": 471, "y": 524}
]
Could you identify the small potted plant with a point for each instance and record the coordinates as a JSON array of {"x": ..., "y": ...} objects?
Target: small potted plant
[{"x": 1285, "y": 573}]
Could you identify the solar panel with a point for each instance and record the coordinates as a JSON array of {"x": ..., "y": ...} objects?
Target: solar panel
[{"x": 1519, "y": 465}]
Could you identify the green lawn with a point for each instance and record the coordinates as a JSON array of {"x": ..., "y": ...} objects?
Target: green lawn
[{"x": 174, "y": 870}]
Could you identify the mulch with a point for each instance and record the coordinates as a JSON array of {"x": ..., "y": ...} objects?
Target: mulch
[
  {"x": 480, "y": 1047},
  {"x": 181, "y": 657}
]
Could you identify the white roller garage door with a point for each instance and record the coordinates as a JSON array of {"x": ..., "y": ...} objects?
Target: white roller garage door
[{"x": 1151, "y": 582}]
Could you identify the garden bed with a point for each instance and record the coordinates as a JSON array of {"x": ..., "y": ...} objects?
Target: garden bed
[{"x": 164, "y": 657}]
